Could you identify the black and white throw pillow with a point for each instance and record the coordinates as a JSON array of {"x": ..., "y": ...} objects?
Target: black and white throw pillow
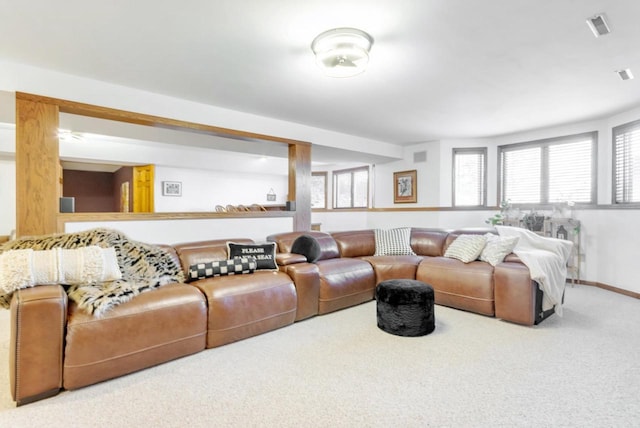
[
  {"x": 393, "y": 242},
  {"x": 236, "y": 266},
  {"x": 265, "y": 254}
]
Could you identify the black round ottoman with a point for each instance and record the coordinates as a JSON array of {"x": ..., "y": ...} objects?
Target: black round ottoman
[{"x": 405, "y": 307}]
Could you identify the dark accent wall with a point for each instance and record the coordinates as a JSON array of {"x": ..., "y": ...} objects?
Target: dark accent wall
[
  {"x": 93, "y": 190},
  {"x": 122, "y": 175}
]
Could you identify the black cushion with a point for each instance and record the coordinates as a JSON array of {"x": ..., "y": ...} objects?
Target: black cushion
[
  {"x": 405, "y": 307},
  {"x": 265, "y": 254},
  {"x": 308, "y": 246}
]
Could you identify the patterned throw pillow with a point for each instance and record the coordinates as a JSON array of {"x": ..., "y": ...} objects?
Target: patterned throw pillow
[
  {"x": 497, "y": 248},
  {"x": 466, "y": 248},
  {"x": 237, "y": 266},
  {"x": 85, "y": 265},
  {"x": 393, "y": 242},
  {"x": 265, "y": 254}
]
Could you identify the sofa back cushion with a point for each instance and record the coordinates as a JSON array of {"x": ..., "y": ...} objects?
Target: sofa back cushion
[
  {"x": 191, "y": 253},
  {"x": 428, "y": 241},
  {"x": 328, "y": 246},
  {"x": 356, "y": 243}
]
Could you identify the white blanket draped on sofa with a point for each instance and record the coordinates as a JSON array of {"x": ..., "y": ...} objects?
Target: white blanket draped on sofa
[{"x": 546, "y": 259}]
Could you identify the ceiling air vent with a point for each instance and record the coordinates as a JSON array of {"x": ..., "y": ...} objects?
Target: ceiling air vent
[
  {"x": 625, "y": 74},
  {"x": 419, "y": 157},
  {"x": 598, "y": 25}
]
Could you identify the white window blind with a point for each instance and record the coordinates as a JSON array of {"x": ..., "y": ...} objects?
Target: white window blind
[
  {"x": 351, "y": 188},
  {"x": 469, "y": 177},
  {"x": 571, "y": 177},
  {"x": 626, "y": 163},
  {"x": 521, "y": 175},
  {"x": 549, "y": 171},
  {"x": 318, "y": 190}
]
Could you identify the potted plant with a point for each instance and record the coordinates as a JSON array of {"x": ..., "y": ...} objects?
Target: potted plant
[
  {"x": 498, "y": 218},
  {"x": 533, "y": 221}
]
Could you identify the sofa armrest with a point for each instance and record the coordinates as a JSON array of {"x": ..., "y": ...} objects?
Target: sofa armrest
[
  {"x": 515, "y": 293},
  {"x": 306, "y": 278},
  {"x": 38, "y": 321},
  {"x": 285, "y": 259}
]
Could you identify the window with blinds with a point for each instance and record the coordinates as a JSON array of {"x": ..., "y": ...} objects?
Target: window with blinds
[
  {"x": 351, "y": 188},
  {"x": 549, "y": 171},
  {"x": 469, "y": 177},
  {"x": 626, "y": 163}
]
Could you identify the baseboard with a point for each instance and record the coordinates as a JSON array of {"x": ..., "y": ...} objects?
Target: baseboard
[{"x": 608, "y": 288}]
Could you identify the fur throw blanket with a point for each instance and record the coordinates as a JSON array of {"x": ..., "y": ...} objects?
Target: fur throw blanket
[{"x": 144, "y": 267}]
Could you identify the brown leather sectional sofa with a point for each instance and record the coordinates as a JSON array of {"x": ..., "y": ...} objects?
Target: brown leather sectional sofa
[
  {"x": 54, "y": 345},
  {"x": 347, "y": 272}
]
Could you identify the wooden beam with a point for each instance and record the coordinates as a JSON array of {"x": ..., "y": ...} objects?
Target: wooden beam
[
  {"x": 300, "y": 185},
  {"x": 37, "y": 158},
  {"x": 37, "y": 168},
  {"x": 89, "y": 110}
]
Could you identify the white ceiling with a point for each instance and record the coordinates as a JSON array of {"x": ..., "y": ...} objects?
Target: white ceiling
[{"x": 439, "y": 68}]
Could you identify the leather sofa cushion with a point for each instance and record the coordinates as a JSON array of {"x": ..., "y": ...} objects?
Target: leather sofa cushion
[
  {"x": 242, "y": 306},
  {"x": 428, "y": 242},
  {"x": 357, "y": 243},
  {"x": 154, "y": 327},
  {"x": 344, "y": 282},
  {"x": 467, "y": 286},
  {"x": 394, "y": 267}
]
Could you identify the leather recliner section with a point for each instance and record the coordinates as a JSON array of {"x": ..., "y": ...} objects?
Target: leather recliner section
[
  {"x": 241, "y": 306},
  {"x": 154, "y": 327},
  {"x": 38, "y": 317}
]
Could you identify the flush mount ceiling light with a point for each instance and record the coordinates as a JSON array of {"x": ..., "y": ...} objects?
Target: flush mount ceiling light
[{"x": 342, "y": 52}]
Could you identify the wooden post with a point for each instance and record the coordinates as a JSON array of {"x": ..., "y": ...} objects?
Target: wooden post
[
  {"x": 300, "y": 184},
  {"x": 37, "y": 168}
]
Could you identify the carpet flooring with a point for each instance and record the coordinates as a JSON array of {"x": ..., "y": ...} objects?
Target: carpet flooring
[{"x": 340, "y": 370}]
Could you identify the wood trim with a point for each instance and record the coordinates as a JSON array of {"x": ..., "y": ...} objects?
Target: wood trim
[
  {"x": 99, "y": 112},
  {"x": 63, "y": 219},
  {"x": 609, "y": 288},
  {"x": 37, "y": 161},
  {"x": 401, "y": 209},
  {"x": 37, "y": 167}
]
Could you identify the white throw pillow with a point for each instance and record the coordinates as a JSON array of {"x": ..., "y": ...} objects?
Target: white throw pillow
[
  {"x": 466, "y": 248},
  {"x": 497, "y": 248},
  {"x": 26, "y": 268},
  {"x": 393, "y": 242}
]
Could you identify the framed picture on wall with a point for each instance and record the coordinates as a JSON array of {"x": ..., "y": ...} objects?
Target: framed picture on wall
[
  {"x": 405, "y": 187},
  {"x": 171, "y": 188}
]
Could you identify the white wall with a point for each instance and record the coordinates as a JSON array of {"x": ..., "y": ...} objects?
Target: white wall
[
  {"x": 117, "y": 151},
  {"x": 336, "y": 220},
  {"x": 173, "y": 232},
  {"x": 19, "y": 77},
  {"x": 609, "y": 236},
  {"x": 428, "y": 177},
  {"x": 7, "y": 196},
  {"x": 202, "y": 189},
  {"x": 7, "y": 179}
]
